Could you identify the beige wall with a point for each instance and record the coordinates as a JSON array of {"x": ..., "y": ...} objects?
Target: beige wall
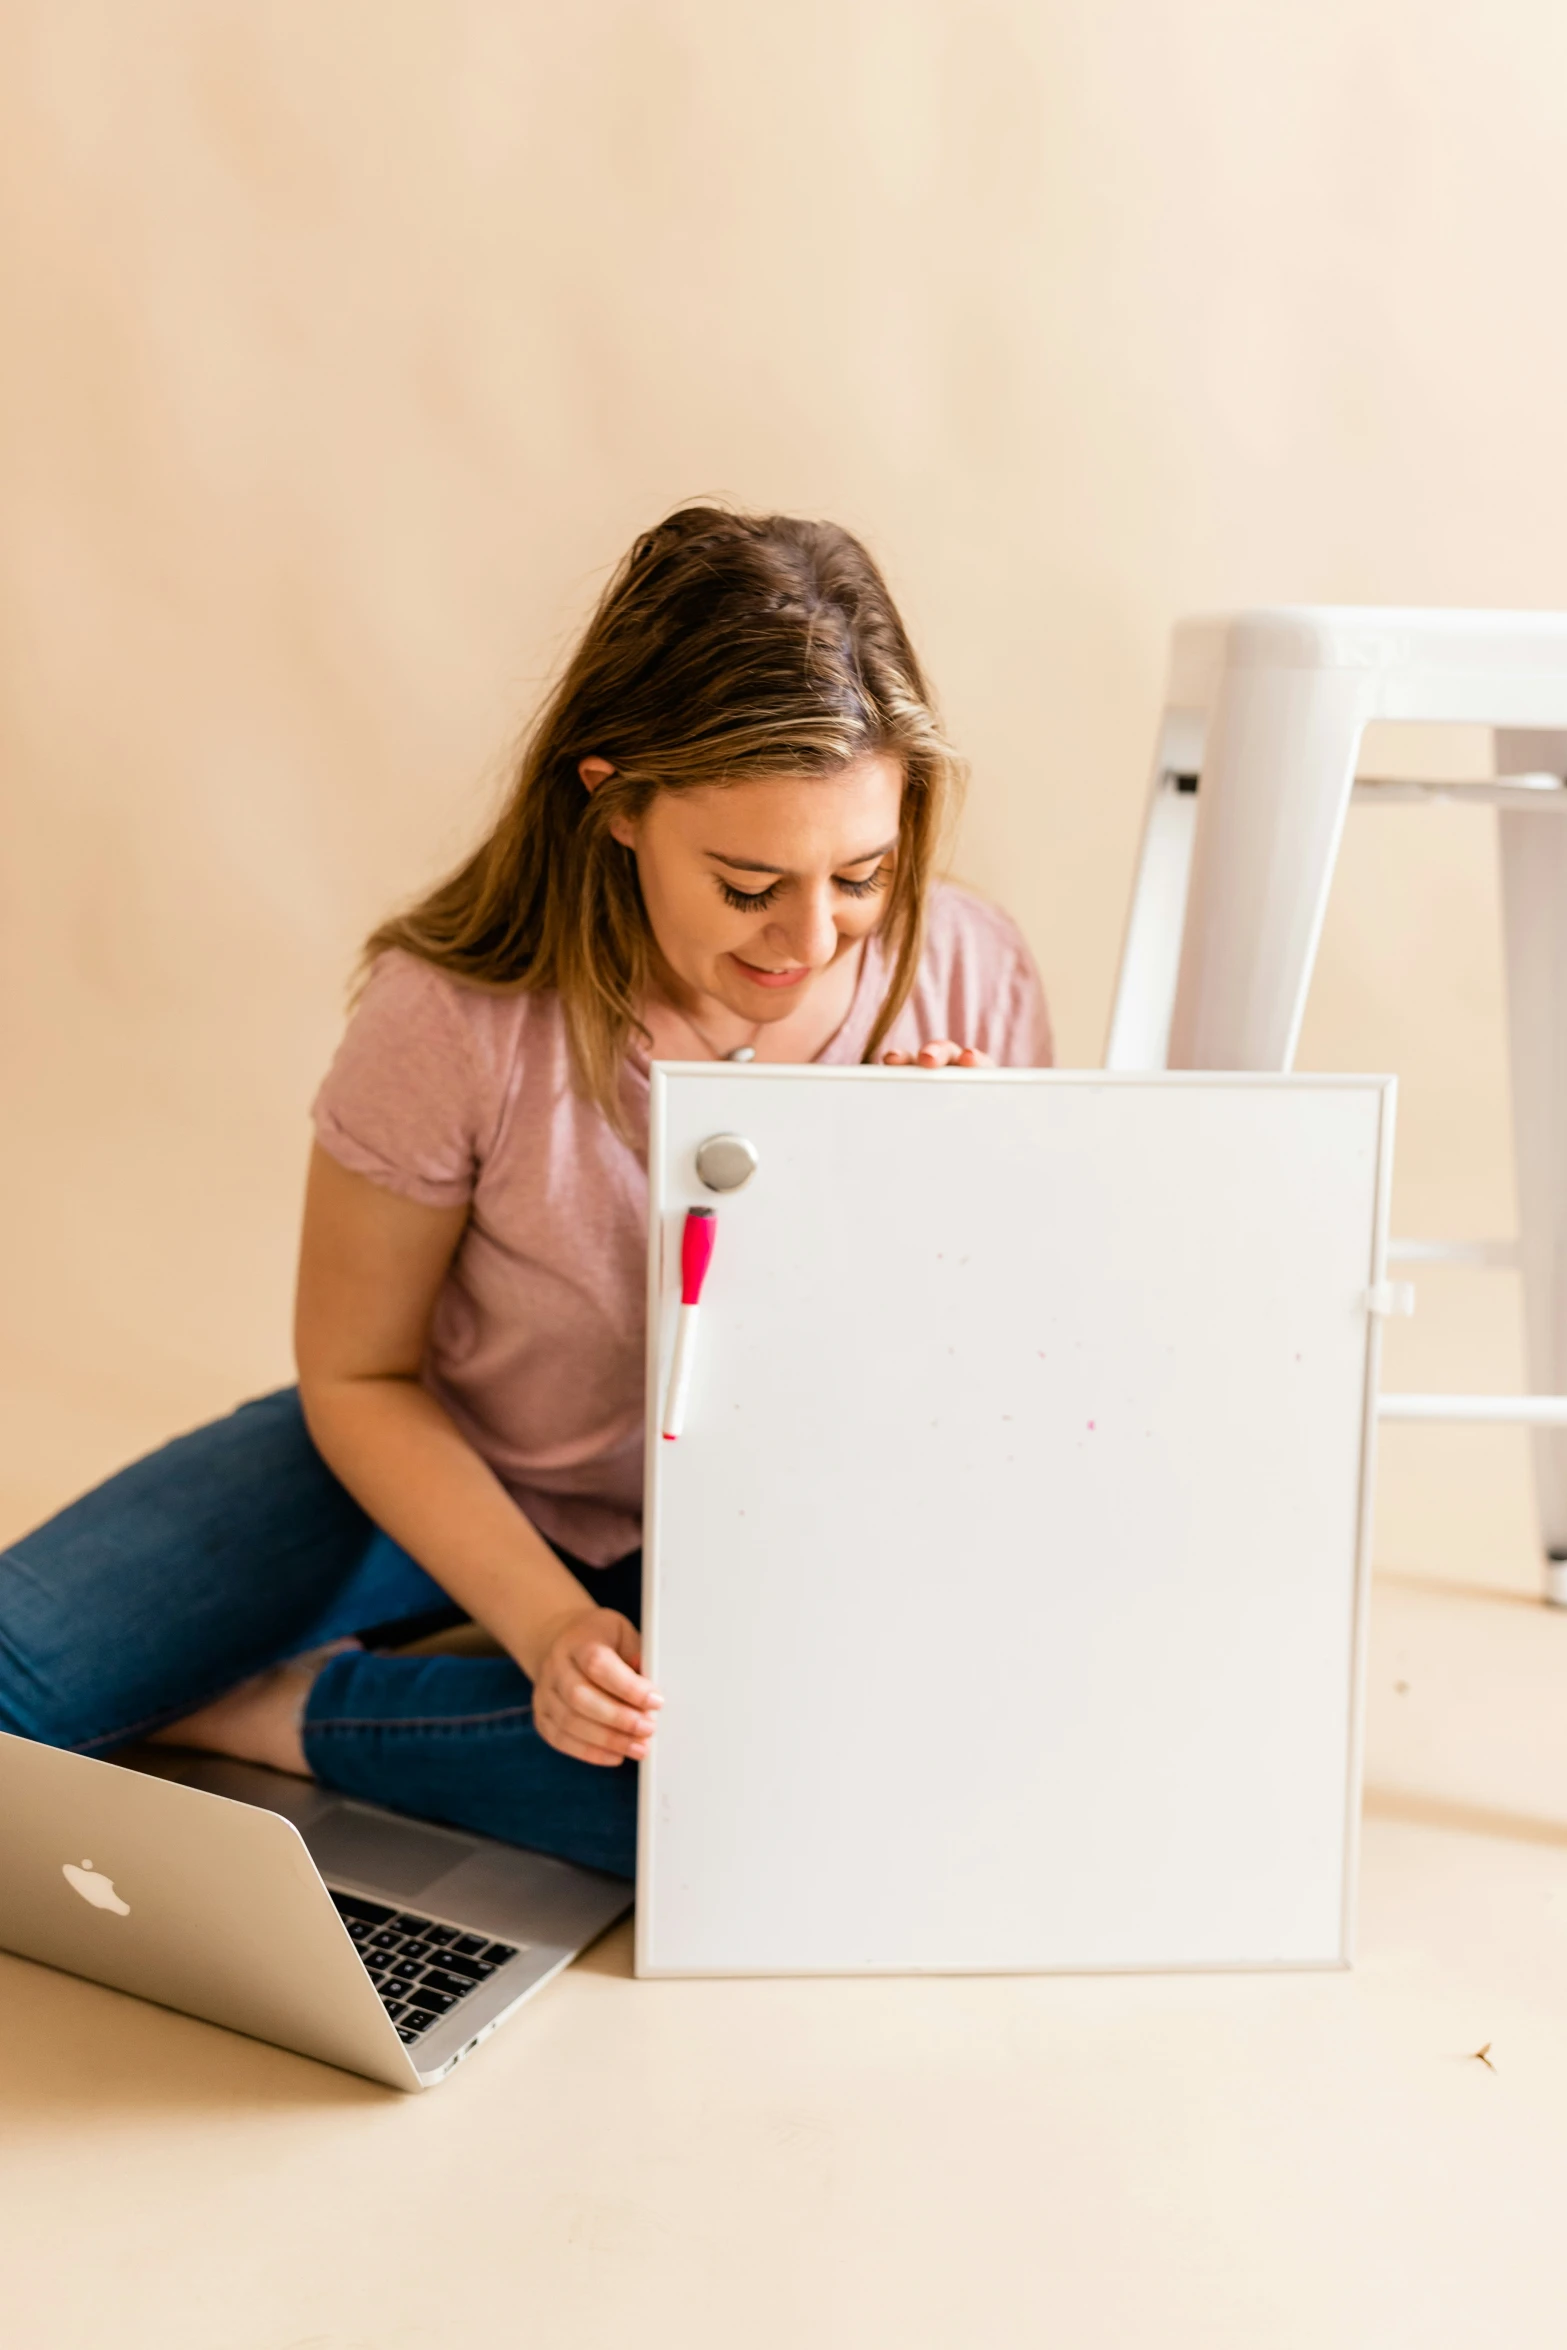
[{"x": 346, "y": 345}]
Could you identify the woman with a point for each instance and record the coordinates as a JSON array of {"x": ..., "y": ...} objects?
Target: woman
[{"x": 719, "y": 846}]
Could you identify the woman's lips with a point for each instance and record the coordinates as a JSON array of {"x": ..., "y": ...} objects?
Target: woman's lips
[{"x": 760, "y": 978}]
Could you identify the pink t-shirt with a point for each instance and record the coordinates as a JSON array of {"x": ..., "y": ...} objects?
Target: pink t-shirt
[{"x": 455, "y": 1097}]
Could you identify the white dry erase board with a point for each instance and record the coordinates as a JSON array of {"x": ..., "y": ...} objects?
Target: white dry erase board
[{"x": 1006, "y": 1584}]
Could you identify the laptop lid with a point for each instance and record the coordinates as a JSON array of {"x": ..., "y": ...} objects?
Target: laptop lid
[
  {"x": 212, "y": 1907},
  {"x": 202, "y": 1884}
]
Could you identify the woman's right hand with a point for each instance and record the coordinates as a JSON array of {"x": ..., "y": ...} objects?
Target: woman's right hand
[{"x": 589, "y": 1697}]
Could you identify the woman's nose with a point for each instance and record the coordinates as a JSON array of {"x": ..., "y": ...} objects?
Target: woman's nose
[{"x": 806, "y": 930}]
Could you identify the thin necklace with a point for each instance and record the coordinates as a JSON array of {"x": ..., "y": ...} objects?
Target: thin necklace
[{"x": 742, "y": 1052}]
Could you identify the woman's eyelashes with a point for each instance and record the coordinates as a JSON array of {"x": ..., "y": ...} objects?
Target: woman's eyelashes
[{"x": 755, "y": 900}]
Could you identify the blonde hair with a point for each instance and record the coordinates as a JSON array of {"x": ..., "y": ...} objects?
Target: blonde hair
[{"x": 727, "y": 646}]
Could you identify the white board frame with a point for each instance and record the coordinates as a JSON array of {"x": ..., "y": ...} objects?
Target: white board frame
[{"x": 674, "y": 1189}]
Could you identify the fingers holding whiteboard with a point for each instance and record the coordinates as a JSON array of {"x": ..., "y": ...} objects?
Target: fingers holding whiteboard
[{"x": 942, "y": 1053}]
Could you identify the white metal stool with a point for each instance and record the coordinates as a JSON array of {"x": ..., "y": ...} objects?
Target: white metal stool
[{"x": 1252, "y": 779}]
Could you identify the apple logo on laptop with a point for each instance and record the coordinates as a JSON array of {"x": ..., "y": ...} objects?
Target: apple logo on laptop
[{"x": 98, "y": 1890}]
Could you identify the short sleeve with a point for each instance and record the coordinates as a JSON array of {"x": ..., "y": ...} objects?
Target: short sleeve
[{"x": 400, "y": 1103}]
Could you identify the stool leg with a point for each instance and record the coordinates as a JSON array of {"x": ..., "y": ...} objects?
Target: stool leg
[
  {"x": 1279, "y": 766},
  {"x": 1151, "y": 949},
  {"x": 1534, "y": 911}
]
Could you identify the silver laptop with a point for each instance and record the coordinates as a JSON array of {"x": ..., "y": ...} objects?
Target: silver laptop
[{"x": 266, "y": 1903}]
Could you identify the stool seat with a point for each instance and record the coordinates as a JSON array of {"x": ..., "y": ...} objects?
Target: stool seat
[
  {"x": 1254, "y": 768},
  {"x": 1431, "y": 665}
]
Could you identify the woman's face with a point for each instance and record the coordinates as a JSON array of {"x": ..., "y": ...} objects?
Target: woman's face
[{"x": 754, "y": 889}]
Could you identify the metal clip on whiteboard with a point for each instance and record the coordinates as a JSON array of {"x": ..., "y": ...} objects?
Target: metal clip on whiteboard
[
  {"x": 1390, "y": 1297},
  {"x": 726, "y": 1162}
]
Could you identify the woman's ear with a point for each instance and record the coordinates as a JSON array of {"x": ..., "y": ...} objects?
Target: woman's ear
[{"x": 594, "y": 772}]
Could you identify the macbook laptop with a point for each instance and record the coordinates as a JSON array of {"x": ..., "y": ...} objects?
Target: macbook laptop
[{"x": 385, "y": 1945}]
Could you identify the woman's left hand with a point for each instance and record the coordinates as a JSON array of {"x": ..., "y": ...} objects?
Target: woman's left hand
[{"x": 943, "y": 1054}]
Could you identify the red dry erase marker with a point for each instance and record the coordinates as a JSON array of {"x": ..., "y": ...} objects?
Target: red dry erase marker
[{"x": 696, "y": 1254}]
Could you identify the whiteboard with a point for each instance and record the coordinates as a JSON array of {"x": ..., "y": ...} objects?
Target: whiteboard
[{"x": 1006, "y": 1586}]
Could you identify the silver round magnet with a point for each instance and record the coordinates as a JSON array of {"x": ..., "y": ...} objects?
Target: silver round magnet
[{"x": 726, "y": 1161}]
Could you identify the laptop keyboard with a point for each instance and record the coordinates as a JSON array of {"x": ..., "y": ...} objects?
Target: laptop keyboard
[{"x": 420, "y": 1968}]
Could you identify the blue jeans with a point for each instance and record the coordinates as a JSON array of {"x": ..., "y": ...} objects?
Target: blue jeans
[{"x": 235, "y": 1547}]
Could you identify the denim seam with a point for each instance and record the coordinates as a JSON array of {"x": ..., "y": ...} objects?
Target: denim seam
[{"x": 510, "y": 1713}]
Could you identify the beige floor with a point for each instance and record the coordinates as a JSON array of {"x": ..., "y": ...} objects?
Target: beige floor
[{"x": 1269, "y": 2162}]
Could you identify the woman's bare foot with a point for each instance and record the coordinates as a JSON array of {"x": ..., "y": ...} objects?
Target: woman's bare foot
[{"x": 262, "y": 1720}]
